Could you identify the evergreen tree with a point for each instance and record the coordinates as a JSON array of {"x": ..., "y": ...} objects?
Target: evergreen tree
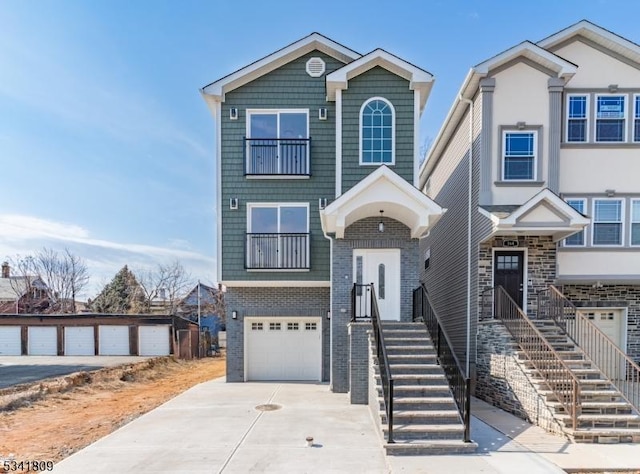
[{"x": 120, "y": 296}]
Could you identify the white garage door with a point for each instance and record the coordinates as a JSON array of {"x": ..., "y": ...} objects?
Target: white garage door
[
  {"x": 79, "y": 341},
  {"x": 153, "y": 340},
  {"x": 10, "y": 341},
  {"x": 43, "y": 340},
  {"x": 283, "y": 349},
  {"x": 113, "y": 340},
  {"x": 612, "y": 322}
]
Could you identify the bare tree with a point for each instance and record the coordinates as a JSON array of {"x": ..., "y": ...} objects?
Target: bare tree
[
  {"x": 25, "y": 281},
  {"x": 65, "y": 274},
  {"x": 164, "y": 284}
]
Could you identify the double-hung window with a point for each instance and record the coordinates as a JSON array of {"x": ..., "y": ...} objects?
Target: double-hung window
[
  {"x": 278, "y": 236},
  {"x": 277, "y": 142},
  {"x": 636, "y": 118},
  {"x": 519, "y": 155},
  {"x": 610, "y": 118},
  {"x": 635, "y": 222},
  {"x": 377, "y": 132},
  {"x": 607, "y": 222},
  {"x": 576, "y": 240},
  {"x": 577, "y": 118}
]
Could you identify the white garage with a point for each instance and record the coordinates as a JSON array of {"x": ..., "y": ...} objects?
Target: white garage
[
  {"x": 113, "y": 340},
  {"x": 153, "y": 340},
  {"x": 79, "y": 340},
  {"x": 10, "y": 340},
  {"x": 283, "y": 348},
  {"x": 42, "y": 340}
]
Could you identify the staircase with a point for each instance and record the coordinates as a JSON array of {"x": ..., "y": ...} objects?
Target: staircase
[
  {"x": 425, "y": 416},
  {"x": 604, "y": 415}
]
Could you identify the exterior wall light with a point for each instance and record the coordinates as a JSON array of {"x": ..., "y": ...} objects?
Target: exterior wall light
[
  {"x": 381, "y": 224},
  {"x": 234, "y": 315}
]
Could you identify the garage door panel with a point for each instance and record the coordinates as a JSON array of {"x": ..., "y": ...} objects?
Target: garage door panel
[
  {"x": 42, "y": 340},
  {"x": 79, "y": 340},
  {"x": 283, "y": 349},
  {"x": 153, "y": 340},
  {"x": 10, "y": 343},
  {"x": 113, "y": 340}
]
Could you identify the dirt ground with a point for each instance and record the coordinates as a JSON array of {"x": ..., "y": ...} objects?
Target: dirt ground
[{"x": 52, "y": 419}]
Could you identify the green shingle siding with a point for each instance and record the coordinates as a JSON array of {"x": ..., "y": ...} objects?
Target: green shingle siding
[
  {"x": 377, "y": 82},
  {"x": 287, "y": 87}
]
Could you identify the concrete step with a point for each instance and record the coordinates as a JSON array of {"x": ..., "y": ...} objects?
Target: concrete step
[
  {"x": 410, "y": 349},
  {"x": 397, "y": 369},
  {"x": 419, "y": 379},
  {"x": 415, "y": 391},
  {"x": 597, "y": 408},
  {"x": 603, "y": 421},
  {"x": 432, "y": 447},
  {"x": 422, "y": 417},
  {"x": 604, "y": 435},
  {"x": 419, "y": 403},
  {"x": 402, "y": 325},
  {"x": 425, "y": 432},
  {"x": 408, "y": 340},
  {"x": 579, "y": 372},
  {"x": 412, "y": 359}
]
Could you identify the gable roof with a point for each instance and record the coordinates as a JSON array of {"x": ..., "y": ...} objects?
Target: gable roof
[
  {"x": 418, "y": 78},
  {"x": 382, "y": 190},
  {"x": 216, "y": 90},
  {"x": 596, "y": 34},
  {"x": 526, "y": 50}
]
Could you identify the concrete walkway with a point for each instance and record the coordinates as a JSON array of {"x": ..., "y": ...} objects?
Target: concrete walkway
[{"x": 216, "y": 428}]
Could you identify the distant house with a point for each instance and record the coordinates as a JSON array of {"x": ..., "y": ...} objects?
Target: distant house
[
  {"x": 23, "y": 294},
  {"x": 204, "y": 300}
]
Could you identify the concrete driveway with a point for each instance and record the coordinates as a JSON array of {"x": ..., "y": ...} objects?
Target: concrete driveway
[
  {"x": 15, "y": 370},
  {"x": 216, "y": 427}
]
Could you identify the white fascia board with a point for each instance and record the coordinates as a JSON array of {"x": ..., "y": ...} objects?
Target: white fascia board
[
  {"x": 276, "y": 284},
  {"x": 218, "y": 168},
  {"x": 267, "y": 64},
  {"x": 593, "y": 32},
  {"x": 575, "y": 218}
]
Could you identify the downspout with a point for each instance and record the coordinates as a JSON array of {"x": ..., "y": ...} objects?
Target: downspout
[
  {"x": 469, "y": 204},
  {"x": 330, "y": 309}
]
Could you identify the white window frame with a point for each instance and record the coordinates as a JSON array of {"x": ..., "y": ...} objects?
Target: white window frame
[
  {"x": 535, "y": 155},
  {"x": 393, "y": 132},
  {"x": 587, "y": 117},
  {"x": 635, "y": 115},
  {"x": 584, "y": 231},
  {"x": 625, "y": 117},
  {"x": 631, "y": 222},
  {"x": 255, "y": 205},
  {"x": 277, "y": 112},
  {"x": 594, "y": 222}
]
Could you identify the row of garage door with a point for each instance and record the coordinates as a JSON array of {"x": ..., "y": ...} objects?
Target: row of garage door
[{"x": 80, "y": 340}]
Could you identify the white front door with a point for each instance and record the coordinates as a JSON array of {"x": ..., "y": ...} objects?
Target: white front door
[{"x": 382, "y": 268}]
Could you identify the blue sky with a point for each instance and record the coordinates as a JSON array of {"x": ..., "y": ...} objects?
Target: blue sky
[{"x": 106, "y": 146}]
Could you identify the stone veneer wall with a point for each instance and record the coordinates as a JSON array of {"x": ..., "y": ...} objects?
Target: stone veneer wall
[
  {"x": 359, "y": 367},
  {"x": 364, "y": 234},
  {"x": 614, "y": 296},
  {"x": 270, "y": 302},
  {"x": 502, "y": 381},
  {"x": 540, "y": 269}
]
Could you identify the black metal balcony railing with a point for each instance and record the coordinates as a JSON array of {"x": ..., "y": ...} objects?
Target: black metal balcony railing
[
  {"x": 278, "y": 251},
  {"x": 277, "y": 156}
]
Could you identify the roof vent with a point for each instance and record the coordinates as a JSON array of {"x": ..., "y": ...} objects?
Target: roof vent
[{"x": 315, "y": 67}]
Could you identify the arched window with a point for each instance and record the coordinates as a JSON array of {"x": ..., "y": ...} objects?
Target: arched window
[{"x": 377, "y": 132}]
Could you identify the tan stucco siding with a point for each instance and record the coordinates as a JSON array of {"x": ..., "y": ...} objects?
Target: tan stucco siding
[
  {"x": 604, "y": 263},
  {"x": 593, "y": 170}
]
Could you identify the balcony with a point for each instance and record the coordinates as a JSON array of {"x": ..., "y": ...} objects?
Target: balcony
[
  {"x": 287, "y": 157},
  {"x": 277, "y": 252}
]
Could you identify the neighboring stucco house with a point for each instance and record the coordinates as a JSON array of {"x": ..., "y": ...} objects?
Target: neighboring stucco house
[
  {"x": 552, "y": 132},
  {"x": 316, "y": 159}
]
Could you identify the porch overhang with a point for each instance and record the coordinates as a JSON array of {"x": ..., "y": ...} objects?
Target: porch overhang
[
  {"x": 544, "y": 214},
  {"x": 382, "y": 190}
]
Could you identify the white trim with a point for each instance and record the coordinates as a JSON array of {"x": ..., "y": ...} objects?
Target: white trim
[
  {"x": 535, "y": 154},
  {"x": 625, "y": 117},
  {"x": 633, "y": 119},
  {"x": 338, "y": 142},
  {"x": 587, "y": 97},
  {"x": 525, "y": 269},
  {"x": 393, "y": 132},
  {"x": 278, "y": 205},
  {"x": 416, "y": 135},
  {"x": 594, "y": 222},
  {"x": 218, "y": 157},
  {"x": 631, "y": 222},
  {"x": 276, "y": 283},
  {"x": 530, "y": 51},
  {"x": 584, "y": 235}
]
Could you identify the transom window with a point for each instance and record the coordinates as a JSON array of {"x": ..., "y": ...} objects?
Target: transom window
[
  {"x": 635, "y": 222},
  {"x": 377, "y": 130},
  {"x": 610, "y": 118},
  {"x": 275, "y": 326},
  {"x": 293, "y": 326},
  {"x": 310, "y": 326},
  {"x": 278, "y": 236},
  {"x": 607, "y": 221},
  {"x": 519, "y": 156},
  {"x": 577, "y": 113},
  {"x": 508, "y": 262},
  {"x": 576, "y": 239}
]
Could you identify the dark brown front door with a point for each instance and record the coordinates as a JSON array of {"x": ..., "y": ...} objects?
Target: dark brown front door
[{"x": 508, "y": 271}]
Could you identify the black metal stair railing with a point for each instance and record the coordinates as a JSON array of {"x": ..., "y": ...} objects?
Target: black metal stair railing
[
  {"x": 364, "y": 307},
  {"x": 458, "y": 380}
]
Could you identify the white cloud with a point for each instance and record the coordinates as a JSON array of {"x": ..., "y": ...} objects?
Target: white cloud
[{"x": 22, "y": 235}]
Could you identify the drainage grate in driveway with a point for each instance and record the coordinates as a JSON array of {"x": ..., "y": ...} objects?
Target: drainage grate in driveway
[{"x": 268, "y": 407}]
